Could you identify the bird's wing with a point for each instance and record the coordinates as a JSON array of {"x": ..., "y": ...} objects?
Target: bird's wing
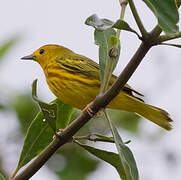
[
  {"x": 79, "y": 64},
  {"x": 127, "y": 88},
  {"x": 87, "y": 67}
]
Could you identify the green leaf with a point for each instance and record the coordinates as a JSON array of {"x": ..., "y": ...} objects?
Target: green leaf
[
  {"x": 6, "y": 46},
  {"x": 109, "y": 157},
  {"x": 104, "y": 24},
  {"x": 77, "y": 164},
  {"x": 58, "y": 118},
  {"x": 2, "y": 107},
  {"x": 122, "y": 25},
  {"x": 99, "y": 24},
  {"x": 126, "y": 157},
  {"x": 167, "y": 14},
  {"x": 114, "y": 41},
  {"x": 126, "y": 120},
  {"x": 2, "y": 176},
  {"x": 22, "y": 103},
  {"x": 38, "y": 136},
  {"x": 64, "y": 113},
  {"x": 49, "y": 110},
  {"x": 103, "y": 40},
  {"x": 40, "y": 133},
  {"x": 109, "y": 47}
]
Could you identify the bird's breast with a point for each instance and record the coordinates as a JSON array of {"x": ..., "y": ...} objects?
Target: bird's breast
[{"x": 72, "y": 88}]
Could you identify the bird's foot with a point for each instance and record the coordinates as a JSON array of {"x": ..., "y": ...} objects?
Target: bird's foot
[
  {"x": 91, "y": 113},
  {"x": 57, "y": 134}
]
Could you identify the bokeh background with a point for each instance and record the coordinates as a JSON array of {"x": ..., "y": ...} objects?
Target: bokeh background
[{"x": 27, "y": 25}]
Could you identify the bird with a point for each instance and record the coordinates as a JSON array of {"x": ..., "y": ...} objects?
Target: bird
[{"x": 74, "y": 79}]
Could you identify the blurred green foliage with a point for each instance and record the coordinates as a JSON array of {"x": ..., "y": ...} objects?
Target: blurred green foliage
[
  {"x": 2, "y": 106},
  {"x": 4, "y": 47},
  {"x": 3, "y": 173},
  {"x": 25, "y": 108},
  {"x": 2, "y": 176},
  {"x": 7, "y": 45},
  {"x": 78, "y": 164},
  {"x": 126, "y": 120}
]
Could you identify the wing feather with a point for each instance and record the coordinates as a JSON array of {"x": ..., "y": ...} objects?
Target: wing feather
[{"x": 87, "y": 67}]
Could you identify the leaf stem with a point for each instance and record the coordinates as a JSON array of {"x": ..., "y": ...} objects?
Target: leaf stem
[
  {"x": 110, "y": 66},
  {"x": 123, "y": 4},
  {"x": 93, "y": 139},
  {"x": 164, "y": 38},
  {"x": 137, "y": 19}
]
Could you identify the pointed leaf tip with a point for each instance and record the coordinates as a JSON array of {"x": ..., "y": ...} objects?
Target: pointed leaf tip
[{"x": 34, "y": 87}]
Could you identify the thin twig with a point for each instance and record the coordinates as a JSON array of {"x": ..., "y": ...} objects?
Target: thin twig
[
  {"x": 123, "y": 4},
  {"x": 137, "y": 19},
  {"x": 168, "y": 37},
  {"x": 89, "y": 138},
  {"x": 173, "y": 45}
]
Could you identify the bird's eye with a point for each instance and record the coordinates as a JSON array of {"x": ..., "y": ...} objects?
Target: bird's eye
[{"x": 41, "y": 51}]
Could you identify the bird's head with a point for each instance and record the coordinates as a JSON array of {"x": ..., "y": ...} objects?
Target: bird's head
[{"x": 46, "y": 54}]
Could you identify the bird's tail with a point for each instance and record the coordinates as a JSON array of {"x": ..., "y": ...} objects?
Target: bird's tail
[
  {"x": 156, "y": 115},
  {"x": 133, "y": 104}
]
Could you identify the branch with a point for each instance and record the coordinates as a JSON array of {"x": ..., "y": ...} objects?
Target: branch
[{"x": 178, "y": 2}]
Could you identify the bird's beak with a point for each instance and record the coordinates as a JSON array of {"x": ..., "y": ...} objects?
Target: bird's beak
[{"x": 30, "y": 57}]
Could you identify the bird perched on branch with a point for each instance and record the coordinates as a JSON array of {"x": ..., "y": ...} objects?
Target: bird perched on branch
[{"x": 75, "y": 80}]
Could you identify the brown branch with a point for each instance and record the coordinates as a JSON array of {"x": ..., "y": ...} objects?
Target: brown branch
[{"x": 178, "y": 2}]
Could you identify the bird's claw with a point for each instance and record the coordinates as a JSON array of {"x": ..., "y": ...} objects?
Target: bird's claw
[{"x": 91, "y": 113}]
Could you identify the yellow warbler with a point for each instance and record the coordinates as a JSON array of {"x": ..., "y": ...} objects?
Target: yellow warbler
[{"x": 74, "y": 79}]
